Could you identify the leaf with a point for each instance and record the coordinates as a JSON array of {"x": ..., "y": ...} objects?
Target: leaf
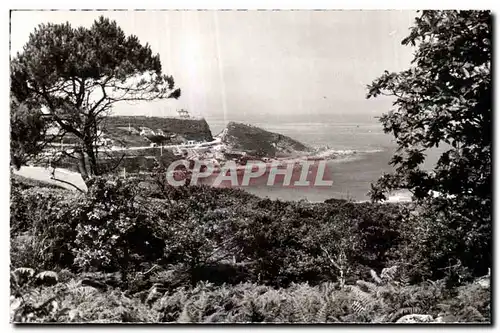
[
  {"x": 375, "y": 277},
  {"x": 24, "y": 272},
  {"x": 47, "y": 277},
  {"x": 466, "y": 72}
]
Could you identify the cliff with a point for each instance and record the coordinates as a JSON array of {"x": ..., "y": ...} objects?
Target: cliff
[
  {"x": 259, "y": 142},
  {"x": 117, "y": 127}
]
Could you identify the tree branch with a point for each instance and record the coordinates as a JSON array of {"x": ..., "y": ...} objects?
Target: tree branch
[{"x": 52, "y": 177}]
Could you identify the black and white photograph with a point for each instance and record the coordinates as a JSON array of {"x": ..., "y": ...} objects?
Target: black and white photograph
[{"x": 308, "y": 166}]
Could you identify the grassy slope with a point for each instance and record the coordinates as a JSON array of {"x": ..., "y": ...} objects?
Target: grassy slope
[
  {"x": 258, "y": 141},
  {"x": 191, "y": 129}
]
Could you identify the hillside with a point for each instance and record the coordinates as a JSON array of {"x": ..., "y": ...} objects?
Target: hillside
[
  {"x": 117, "y": 128},
  {"x": 255, "y": 140}
]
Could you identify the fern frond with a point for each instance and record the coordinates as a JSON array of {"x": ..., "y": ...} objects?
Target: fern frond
[
  {"x": 444, "y": 307},
  {"x": 47, "y": 277},
  {"x": 34, "y": 294},
  {"x": 23, "y": 275},
  {"x": 214, "y": 318},
  {"x": 83, "y": 293},
  {"x": 335, "y": 319},
  {"x": 358, "y": 307},
  {"x": 14, "y": 280},
  {"x": 470, "y": 314},
  {"x": 184, "y": 317},
  {"x": 388, "y": 274},
  {"x": 301, "y": 310},
  {"x": 72, "y": 285},
  {"x": 366, "y": 286},
  {"x": 403, "y": 312},
  {"x": 322, "y": 315},
  {"x": 26, "y": 271},
  {"x": 375, "y": 277},
  {"x": 381, "y": 318},
  {"x": 362, "y": 301}
]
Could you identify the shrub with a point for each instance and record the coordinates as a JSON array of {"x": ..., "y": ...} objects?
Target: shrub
[
  {"x": 115, "y": 230},
  {"x": 41, "y": 227},
  {"x": 434, "y": 239}
]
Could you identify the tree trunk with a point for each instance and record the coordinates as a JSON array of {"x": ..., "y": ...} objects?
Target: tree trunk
[
  {"x": 87, "y": 161},
  {"x": 92, "y": 159},
  {"x": 82, "y": 165}
]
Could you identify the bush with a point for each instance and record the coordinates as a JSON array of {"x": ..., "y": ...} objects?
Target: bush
[
  {"x": 41, "y": 227},
  {"x": 114, "y": 228},
  {"x": 300, "y": 241},
  {"x": 436, "y": 239}
]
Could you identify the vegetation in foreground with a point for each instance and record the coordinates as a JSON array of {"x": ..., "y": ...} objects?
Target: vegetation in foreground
[{"x": 126, "y": 252}]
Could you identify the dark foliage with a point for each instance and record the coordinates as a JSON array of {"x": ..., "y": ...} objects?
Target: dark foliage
[
  {"x": 27, "y": 133},
  {"x": 444, "y": 98}
]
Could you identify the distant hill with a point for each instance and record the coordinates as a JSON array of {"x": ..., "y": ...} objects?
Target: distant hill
[
  {"x": 259, "y": 142},
  {"x": 117, "y": 128}
]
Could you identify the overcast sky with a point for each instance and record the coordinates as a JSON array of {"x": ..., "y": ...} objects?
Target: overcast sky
[{"x": 245, "y": 64}]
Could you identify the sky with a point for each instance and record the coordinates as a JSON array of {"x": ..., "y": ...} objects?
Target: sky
[{"x": 236, "y": 65}]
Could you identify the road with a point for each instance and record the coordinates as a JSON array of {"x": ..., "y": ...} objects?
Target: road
[
  {"x": 45, "y": 175},
  {"x": 196, "y": 145}
]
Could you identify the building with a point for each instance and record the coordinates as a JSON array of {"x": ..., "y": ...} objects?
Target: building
[
  {"x": 146, "y": 131},
  {"x": 183, "y": 114}
]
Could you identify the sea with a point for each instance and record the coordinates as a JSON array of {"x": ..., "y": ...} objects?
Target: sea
[{"x": 366, "y": 151}]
